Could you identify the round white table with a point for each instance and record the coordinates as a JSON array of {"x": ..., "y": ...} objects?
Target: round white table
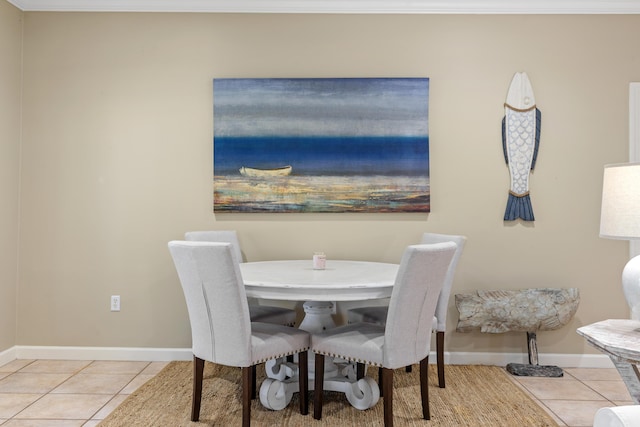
[{"x": 298, "y": 281}]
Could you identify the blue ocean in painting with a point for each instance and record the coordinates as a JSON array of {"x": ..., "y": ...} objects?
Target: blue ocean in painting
[{"x": 324, "y": 156}]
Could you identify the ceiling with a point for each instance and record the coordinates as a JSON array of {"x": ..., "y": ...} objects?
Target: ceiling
[{"x": 339, "y": 6}]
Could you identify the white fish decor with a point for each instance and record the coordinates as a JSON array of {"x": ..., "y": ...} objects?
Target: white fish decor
[
  {"x": 528, "y": 310},
  {"x": 520, "y": 142}
]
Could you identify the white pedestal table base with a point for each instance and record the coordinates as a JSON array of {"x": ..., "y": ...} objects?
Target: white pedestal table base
[{"x": 282, "y": 377}]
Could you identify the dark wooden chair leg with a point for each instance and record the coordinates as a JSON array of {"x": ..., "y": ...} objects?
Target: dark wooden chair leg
[
  {"x": 253, "y": 382},
  {"x": 359, "y": 371},
  {"x": 198, "y": 370},
  {"x": 408, "y": 368},
  {"x": 246, "y": 395},
  {"x": 387, "y": 374},
  {"x": 303, "y": 379},
  {"x": 440, "y": 357},
  {"x": 381, "y": 382},
  {"x": 318, "y": 387},
  {"x": 424, "y": 387}
]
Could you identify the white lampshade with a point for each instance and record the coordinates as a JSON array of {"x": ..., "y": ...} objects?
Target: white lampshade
[
  {"x": 620, "y": 215},
  {"x": 620, "y": 219}
]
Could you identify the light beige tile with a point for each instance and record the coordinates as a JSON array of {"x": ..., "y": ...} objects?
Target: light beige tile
[
  {"x": 65, "y": 406},
  {"x": 154, "y": 368},
  {"x": 576, "y": 413},
  {"x": 115, "y": 367},
  {"x": 611, "y": 390},
  {"x": 12, "y": 403},
  {"x": 555, "y": 388},
  {"x": 56, "y": 366},
  {"x": 136, "y": 383},
  {"x": 44, "y": 423},
  {"x": 94, "y": 383},
  {"x": 594, "y": 374},
  {"x": 549, "y": 412},
  {"x": 109, "y": 407},
  {"x": 91, "y": 423},
  {"x": 623, "y": 402},
  {"x": 15, "y": 365},
  {"x": 552, "y": 380},
  {"x": 31, "y": 382}
]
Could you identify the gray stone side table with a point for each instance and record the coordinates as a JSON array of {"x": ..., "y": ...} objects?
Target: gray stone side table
[{"x": 620, "y": 340}]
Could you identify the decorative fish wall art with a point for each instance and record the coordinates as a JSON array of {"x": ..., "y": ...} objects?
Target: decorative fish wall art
[{"x": 520, "y": 142}]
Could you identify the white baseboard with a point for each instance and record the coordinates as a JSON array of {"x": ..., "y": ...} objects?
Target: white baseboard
[
  {"x": 502, "y": 359},
  {"x": 7, "y": 356},
  {"x": 169, "y": 354},
  {"x": 103, "y": 353}
]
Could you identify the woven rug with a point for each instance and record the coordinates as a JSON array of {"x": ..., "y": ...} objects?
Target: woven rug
[{"x": 474, "y": 396}]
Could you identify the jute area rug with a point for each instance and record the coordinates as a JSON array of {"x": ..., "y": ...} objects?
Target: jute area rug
[{"x": 474, "y": 396}]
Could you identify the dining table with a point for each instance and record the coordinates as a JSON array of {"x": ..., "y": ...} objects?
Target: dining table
[{"x": 298, "y": 280}]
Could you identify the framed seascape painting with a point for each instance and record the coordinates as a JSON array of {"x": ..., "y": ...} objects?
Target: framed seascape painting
[{"x": 321, "y": 145}]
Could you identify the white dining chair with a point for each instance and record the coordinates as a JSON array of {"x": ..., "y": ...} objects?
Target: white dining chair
[
  {"x": 405, "y": 339},
  {"x": 221, "y": 330},
  {"x": 258, "y": 312},
  {"x": 378, "y": 314}
]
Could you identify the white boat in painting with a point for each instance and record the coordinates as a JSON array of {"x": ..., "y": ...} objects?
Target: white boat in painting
[{"x": 283, "y": 171}]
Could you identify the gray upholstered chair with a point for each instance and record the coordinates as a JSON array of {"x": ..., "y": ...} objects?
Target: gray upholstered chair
[
  {"x": 221, "y": 330},
  {"x": 405, "y": 339},
  {"x": 379, "y": 314},
  {"x": 258, "y": 313}
]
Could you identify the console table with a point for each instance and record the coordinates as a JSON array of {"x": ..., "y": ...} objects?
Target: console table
[{"x": 620, "y": 340}]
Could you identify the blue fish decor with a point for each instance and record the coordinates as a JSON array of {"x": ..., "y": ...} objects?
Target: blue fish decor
[{"x": 520, "y": 142}]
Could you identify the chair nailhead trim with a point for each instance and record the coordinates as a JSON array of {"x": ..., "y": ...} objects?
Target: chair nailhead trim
[
  {"x": 351, "y": 359},
  {"x": 280, "y": 355}
]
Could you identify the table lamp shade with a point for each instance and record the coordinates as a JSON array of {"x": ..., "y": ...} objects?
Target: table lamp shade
[
  {"x": 620, "y": 219},
  {"x": 620, "y": 215}
]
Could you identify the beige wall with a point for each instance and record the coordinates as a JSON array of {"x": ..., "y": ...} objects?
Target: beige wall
[
  {"x": 117, "y": 158},
  {"x": 10, "y": 84}
]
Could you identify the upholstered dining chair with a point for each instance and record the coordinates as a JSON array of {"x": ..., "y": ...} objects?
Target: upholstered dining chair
[
  {"x": 221, "y": 330},
  {"x": 404, "y": 339},
  {"x": 379, "y": 314},
  {"x": 258, "y": 313}
]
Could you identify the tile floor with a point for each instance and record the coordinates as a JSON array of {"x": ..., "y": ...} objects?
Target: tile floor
[
  {"x": 67, "y": 393},
  {"x": 61, "y": 393},
  {"x": 572, "y": 400}
]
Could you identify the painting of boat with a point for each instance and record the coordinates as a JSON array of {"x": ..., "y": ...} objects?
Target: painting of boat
[
  {"x": 265, "y": 173},
  {"x": 356, "y": 144}
]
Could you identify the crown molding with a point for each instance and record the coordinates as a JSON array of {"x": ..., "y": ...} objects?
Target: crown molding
[{"x": 338, "y": 6}]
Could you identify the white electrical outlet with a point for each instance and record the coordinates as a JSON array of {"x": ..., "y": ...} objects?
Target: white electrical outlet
[
  {"x": 334, "y": 307},
  {"x": 115, "y": 302}
]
